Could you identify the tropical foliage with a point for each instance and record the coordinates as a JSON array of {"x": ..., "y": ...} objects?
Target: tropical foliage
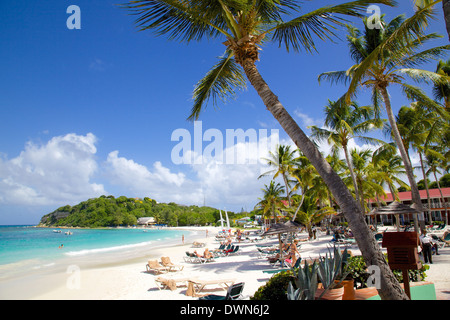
[
  {"x": 108, "y": 211},
  {"x": 390, "y": 54}
]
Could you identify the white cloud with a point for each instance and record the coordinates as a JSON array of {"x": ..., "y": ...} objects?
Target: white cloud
[
  {"x": 139, "y": 179},
  {"x": 306, "y": 120},
  {"x": 215, "y": 182},
  {"x": 46, "y": 174}
]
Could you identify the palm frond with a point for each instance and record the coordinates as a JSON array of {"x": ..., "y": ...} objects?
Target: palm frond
[
  {"x": 179, "y": 19},
  {"x": 335, "y": 77},
  {"x": 411, "y": 29},
  {"x": 414, "y": 93},
  {"x": 299, "y": 32},
  {"x": 426, "y": 76},
  {"x": 426, "y": 56},
  {"x": 220, "y": 82}
]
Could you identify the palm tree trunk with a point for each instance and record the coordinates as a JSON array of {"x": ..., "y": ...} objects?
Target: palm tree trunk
[
  {"x": 440, "y": 191},
  {"x": 288, "y": 197},
  {"x": 352, "y": 174},
  {"x": 408, "y": 168},
  {"x": 388, "y": 287},
  {"x": 446, "y": 8},
  {"x": 426, "y": 187}
]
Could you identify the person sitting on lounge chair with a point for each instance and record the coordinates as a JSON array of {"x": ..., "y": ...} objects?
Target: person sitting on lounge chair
[
  {"x": 445, "y": 237},
  {"x": 207, "y": 254}
]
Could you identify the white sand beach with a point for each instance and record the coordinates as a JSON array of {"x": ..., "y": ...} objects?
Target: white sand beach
[{"x": 130, "y": 281}]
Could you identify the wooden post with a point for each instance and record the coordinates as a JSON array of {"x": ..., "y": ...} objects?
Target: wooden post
[{"x": 406, "y": 283}]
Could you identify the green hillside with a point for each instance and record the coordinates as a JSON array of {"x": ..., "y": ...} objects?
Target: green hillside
[{"x": 108, "y": 211}]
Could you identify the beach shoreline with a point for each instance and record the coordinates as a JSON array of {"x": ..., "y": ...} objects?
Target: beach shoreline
[{"x": 128, "y": 279}]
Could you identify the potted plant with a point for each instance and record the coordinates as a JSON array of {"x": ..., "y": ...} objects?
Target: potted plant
[
  {"x": 332, "y": 272},
  {"x": 306, "y": 283}
]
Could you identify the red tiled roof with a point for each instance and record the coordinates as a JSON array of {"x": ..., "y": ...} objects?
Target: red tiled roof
[{"x": 406, "y": 195}]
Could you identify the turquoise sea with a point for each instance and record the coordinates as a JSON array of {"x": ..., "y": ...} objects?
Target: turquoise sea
[{"x": 22, "y": 246}]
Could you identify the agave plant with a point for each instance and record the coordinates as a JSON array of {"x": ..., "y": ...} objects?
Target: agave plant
[
  {"x": 332, "y": 268},
  {"x": 306, "y": 282}
]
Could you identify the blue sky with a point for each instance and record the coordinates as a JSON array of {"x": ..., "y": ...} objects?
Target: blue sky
[{"x": 91, "y": 111}]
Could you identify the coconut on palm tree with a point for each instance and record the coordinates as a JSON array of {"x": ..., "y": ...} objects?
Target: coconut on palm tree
[
  {"x": 385, "y": 57},
  {"x": 244, "y": 25}
]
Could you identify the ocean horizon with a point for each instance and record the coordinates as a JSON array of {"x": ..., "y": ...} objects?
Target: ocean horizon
[{"x": 25, "y": 247}]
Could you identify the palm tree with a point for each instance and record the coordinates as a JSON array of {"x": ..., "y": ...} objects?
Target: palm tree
[
  {"x": 435, "y": 162},
  {"x": 383, "y": 57},
  {"x": 347, "y": 122},
  {"x": 283, "y": 163},
  {"x": 310, "y": 213},
  {"x": 244, "y": 25},
  {"x": 390, "y": 166},
  {"x": 414, "y": 125},
  {"x": 441, "y": 128},
  {"x": 367, "y": 177},
  {"x": 272, "y": 201}
]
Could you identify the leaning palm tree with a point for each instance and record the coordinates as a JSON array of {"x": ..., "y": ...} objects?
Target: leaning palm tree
[
  {"x": 343, "y": 123},
  {"x": 282, "y": 162},
  {"x": 244, "y": 25},
  {"x": 384, "y": 57}
]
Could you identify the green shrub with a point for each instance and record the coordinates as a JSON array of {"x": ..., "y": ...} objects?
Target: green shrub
[{"x": 275, "y": 288}]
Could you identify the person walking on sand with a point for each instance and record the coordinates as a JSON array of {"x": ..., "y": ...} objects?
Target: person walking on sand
[{"x": 182, "y": 238}]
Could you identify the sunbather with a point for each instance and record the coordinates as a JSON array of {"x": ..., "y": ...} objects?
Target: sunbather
[{"x": 207, "y": 254}]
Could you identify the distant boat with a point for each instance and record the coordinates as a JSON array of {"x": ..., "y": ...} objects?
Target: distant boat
[
  {"x": 57, "y": 231},
  {"x": 69, "y": 233}
]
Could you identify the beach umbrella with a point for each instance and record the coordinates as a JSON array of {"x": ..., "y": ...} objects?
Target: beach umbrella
[
  {"x": 395, "y": 208},
  {"x": 228, "y": 221}
]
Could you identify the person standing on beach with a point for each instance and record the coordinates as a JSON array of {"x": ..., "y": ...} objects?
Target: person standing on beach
[
  {"x": 182, "y": 238},
  {"x": 425, "y": 241}
]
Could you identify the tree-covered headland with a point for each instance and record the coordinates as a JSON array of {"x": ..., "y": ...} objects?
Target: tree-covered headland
[{"x": 108, "y": 211}]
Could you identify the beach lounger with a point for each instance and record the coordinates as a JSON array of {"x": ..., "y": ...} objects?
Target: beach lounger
[
  {"x": 153, "y": 265},
  {"x": 169, "y": 283},
  {"x": 188, "y": 257},
  {"x": 193, "y": 258},
  {"x": 233, "y": 251},
  {"x": 165, "y": 261},
  {"x": 196, "y": 286},
  {"x": 234, "y": 292}
]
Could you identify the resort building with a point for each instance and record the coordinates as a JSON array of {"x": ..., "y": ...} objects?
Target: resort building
[
  {"x": 146, "y": 221},
  {"x": 439, "y": 204}
]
